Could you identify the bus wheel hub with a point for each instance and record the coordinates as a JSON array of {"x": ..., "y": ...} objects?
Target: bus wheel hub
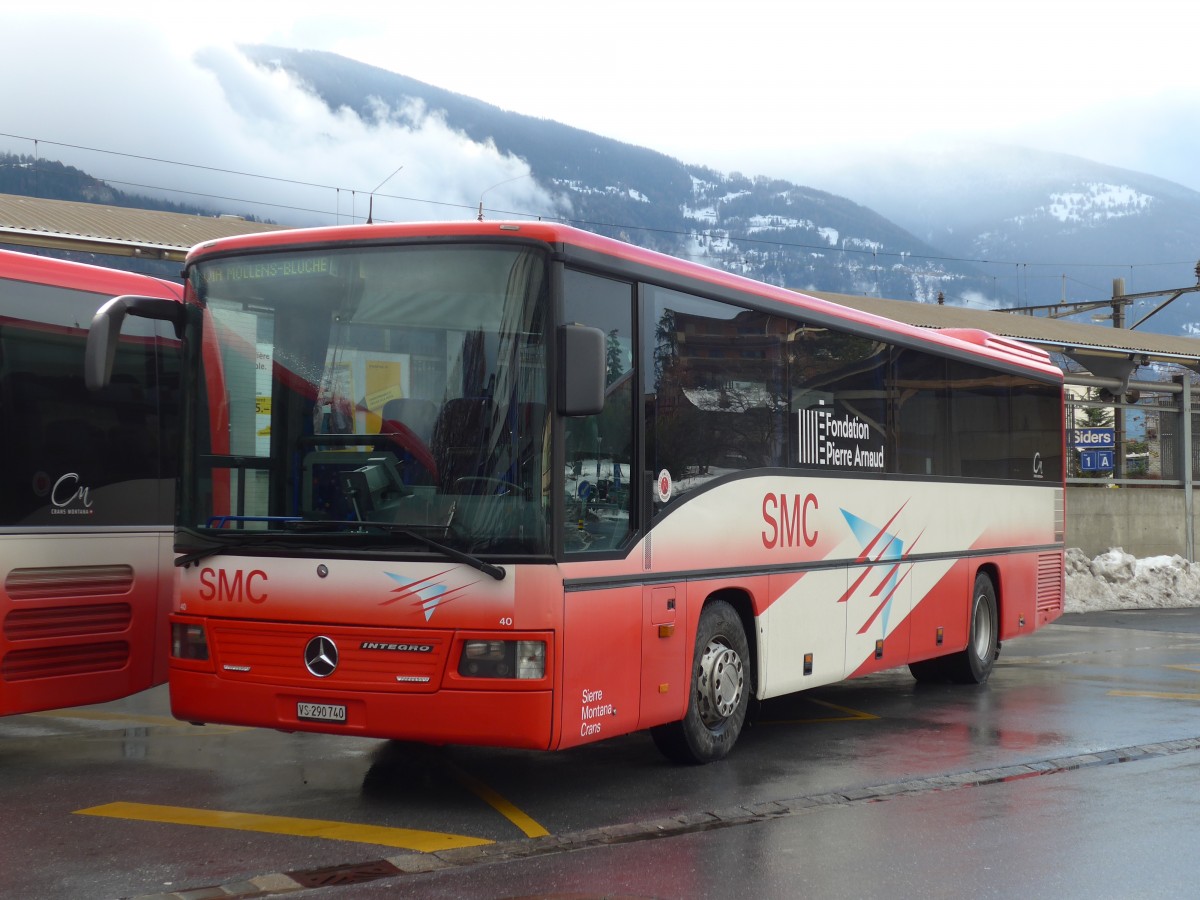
[{"x": 721, "y": 683}]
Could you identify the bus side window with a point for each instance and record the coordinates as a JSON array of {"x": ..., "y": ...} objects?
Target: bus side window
[
  {"x": 839, "y": 377},
  {"x": 714, "y": 391},
  {"x": 599, "y": 449}
]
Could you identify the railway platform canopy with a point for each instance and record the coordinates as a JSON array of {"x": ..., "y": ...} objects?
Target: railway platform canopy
[{"x": 1103, "y": 357}]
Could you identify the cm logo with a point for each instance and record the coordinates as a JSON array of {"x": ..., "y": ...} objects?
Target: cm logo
[{"x": 235, "y": 587}]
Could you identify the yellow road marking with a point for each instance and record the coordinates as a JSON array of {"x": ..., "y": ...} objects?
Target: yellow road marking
[
  {"x": 851, "y": 715},
  {"x": 1158, "y": 695},
  {"x": 404, "y": 838},
  {"x": 1186, "y": 668},
  {"x": 498, "y": 803}
]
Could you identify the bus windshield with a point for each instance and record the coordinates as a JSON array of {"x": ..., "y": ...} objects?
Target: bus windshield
[{"x": 369, "y": 398}]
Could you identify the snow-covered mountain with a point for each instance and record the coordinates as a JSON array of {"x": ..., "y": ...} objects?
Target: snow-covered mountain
[
  {"x": 767, "y": 228},
  {"x": 985, "y": 226},
  {"x": 1050, "y": 226}
]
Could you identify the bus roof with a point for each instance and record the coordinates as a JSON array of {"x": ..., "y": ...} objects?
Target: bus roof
[
  {"x": 82, "y": 277},
  {"x": 646, "y": 263}
]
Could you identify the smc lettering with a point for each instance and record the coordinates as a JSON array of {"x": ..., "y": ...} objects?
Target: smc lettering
[
  {"x": 219, "y": 585},
  {"x": 787, "y": 520}
]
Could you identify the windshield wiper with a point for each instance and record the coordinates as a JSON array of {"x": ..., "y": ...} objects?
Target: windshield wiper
[
  {"x": 234, "y": 541},
  {"x": 405, "y": 531},
  {"x": 194, "y": 556}
]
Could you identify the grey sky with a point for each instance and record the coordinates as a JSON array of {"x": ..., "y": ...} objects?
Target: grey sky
[{"x": 760, "y": 87}]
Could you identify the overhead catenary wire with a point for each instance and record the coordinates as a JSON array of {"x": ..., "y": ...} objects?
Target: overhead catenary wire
[{"x": 1022, "y": 275}]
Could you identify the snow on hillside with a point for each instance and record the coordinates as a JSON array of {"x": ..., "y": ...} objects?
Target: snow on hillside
[
  {"x": 1117, "y": 580},
  {"x": 1093, "y": 203},
  {"x": 1097, "y": 202}
]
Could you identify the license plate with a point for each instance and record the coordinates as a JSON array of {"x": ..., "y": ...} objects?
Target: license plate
[{"x": 322, "y": 712}]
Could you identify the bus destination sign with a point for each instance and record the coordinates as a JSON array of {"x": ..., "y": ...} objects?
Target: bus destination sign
[{"x": 269, "y": 268}]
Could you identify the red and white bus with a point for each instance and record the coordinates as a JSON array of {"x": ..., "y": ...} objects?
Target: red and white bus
[
  {"x": 515, "y": 484},
  {"x": 87, "y": 496}
]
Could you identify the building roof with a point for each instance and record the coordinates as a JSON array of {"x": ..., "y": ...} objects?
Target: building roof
[
  {"x": 115, "y": 230},
  {"x": 1078, "y": 340}
]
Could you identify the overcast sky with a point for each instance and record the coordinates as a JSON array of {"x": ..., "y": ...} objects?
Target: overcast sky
[{"x": 775, "y": 88}]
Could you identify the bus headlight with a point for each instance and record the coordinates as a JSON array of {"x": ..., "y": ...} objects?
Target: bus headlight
[
  {"x": 503, "y": 659},
  {"x": 188, "y": 641},
  {"x": 531, "y": 659}
]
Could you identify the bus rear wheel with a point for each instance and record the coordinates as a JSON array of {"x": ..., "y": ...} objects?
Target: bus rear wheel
[
  {"x": 974, "y": 664},
  {"x": 720, "y": 691}
]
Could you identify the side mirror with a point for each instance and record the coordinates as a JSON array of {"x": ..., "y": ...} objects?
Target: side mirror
[
  {"x": 581, "y": 370},
  {"x": 105, "y": 331}
]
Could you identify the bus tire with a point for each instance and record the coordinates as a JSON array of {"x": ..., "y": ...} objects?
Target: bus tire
[
  {"x": 974, "y": 664},
  {"x": 719, "y": 692}
]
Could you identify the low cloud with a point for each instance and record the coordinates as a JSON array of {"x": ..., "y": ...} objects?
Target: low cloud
[{"x": 239, "y": 138}]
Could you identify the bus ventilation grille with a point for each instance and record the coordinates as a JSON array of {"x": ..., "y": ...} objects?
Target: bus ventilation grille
[
  {"x": 1049, "y": 582},
  {"x": 83, "y": 620},
  {"x": 53, "y": 582},
  {"x": 51, "y": 662}
]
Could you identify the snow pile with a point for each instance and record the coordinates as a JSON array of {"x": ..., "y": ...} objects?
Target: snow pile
[{"x": 1117, "y": 580}]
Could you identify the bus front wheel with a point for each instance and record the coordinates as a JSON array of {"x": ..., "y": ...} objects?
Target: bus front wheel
[
  {"x": 974, "y": 664},
  {"x": 720, "y": 691}
]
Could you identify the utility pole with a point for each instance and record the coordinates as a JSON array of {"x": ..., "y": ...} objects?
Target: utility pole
[
  {"x": 1118, "y": 301},
  {"x": 1118, "y": 320},
  {"x": 1117, "y": 304}
]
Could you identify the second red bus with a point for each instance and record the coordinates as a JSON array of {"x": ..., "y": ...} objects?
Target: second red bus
[{"x": 87, "y": 489}]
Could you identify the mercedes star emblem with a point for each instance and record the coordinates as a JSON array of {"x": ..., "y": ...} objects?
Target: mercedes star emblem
[{"x": 321, "y": 656}]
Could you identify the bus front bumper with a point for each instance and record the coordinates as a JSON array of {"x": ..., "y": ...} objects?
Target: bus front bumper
[{"x": 495, "y": 718}]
